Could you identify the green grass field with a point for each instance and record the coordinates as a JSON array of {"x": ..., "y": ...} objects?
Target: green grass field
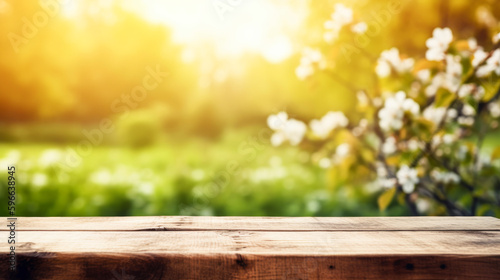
[{"x": 237, "y": 175}]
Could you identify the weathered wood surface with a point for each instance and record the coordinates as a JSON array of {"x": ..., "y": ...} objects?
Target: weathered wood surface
[
  {"x": 184, "y": 223},
  {"x": 254, "y": 247}
]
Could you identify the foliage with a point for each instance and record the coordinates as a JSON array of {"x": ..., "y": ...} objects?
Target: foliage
[{"x": 418, "y": 132}]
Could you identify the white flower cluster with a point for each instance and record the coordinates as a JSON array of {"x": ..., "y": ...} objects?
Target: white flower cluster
[
  {"x": 285, "y": 129},
  {"x": 468, "y": 114},
  {"x": 341, "y": 152},
  {"x": 359, "y": 28},
  {"x": 492, "y": 65},
  {"x": 341, "y": 16},
  {"x": 473, "y": 90},
  {"x": 389, "y": 146},
  {"x": 496, "y": 38},
  {"x": 450, "y": 80},
  {"x": 438, "y": 44},
  {"x": 327, "y": 123},
  {"x": 479, "y": 56},
  {"x": 382, "y": 179},
  {"x": 407, "y": 178},
  {"x": 391, "y": 116},
  {"x": 310, "y": 59},
  {"x": 390, "y": 59},
  {"x": 436, "y": 114},
  {"x": 494, "y": 109},
  {"x": 439, "y": 139},
  {"x": 445, "y": 177}
]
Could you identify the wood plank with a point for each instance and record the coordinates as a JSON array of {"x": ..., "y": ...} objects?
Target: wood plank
[
  {"x": 183, "y": 223},
  {"x": 256, "y": 254},
  {"x": 38, "y": 266},
  {"x": 254, "y": 248},
  {"x": 259, "y": 242}
]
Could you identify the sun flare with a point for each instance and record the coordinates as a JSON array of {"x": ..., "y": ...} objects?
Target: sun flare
[{"x": 232, "y": 28}]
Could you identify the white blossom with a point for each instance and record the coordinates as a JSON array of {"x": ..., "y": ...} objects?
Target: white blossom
[
  {"x": 453, "y": 66},
  {"x": 468, "y": 110},
  {"x": 450, "y": 80},
  {"x": 479, "y": 56},
  {"x": 445, "y": 177},
  {"x": 387, "y": 183},
  {"x": 438, "y": 44},
  {"x": 407, "y": 178},
  {"x": 362, "y": 126},
  {"x": 391, "y": 116},
  {"x": 496, "y": 38},
  {"x": 466, "y": 121},
  {"x": 423, "y": 205},
  {"x": 285, "y": 129},
  {"x": 466, "y": 90},
  {"x": 472, "y": 42},
  {"x": 434, "y": 114},
  {"x": 341, "y": 152},
  {"x": 341, "y": 16},
  {"x": 449, "y": 139},
  {"x": 389, "y": 146},
  {"x": 452, "y": 113},
  {"x": 381, "y": 169},
  {"x": 414, "y": 145},
  {"x": 468, "y": 113},
  {"x": 359, "y": 28},
  {"x": 277, "y": 121},
  {"x": 311, "y": 58},
  {"x": 494, "y": 109},
  {"x": 424, "y": 75},
  {"x": 304, "y": 71},
  {"x": 383, "y": 69},
  {"x": 391, "y": 59},
  {"x": 471, "y": 89},
  {"x": 327, "y": 123},
  {"x": 492, "y": 65}
]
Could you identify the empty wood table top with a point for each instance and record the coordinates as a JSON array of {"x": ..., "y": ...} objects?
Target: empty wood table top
[{"x": 177, "y": 247}]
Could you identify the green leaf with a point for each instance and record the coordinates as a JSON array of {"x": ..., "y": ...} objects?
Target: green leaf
[
  {"x": 483, "y": 209},
  {"x": 385, "y": 199},
  {"x": 444, "y": 98}
]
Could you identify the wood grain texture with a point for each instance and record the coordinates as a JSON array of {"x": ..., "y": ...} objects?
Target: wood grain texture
[
  {"x": 254, "y": 248},
  {"x": 185, "y": 223}
]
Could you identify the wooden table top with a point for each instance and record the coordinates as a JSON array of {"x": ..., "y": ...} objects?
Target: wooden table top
[{"x": 178, "y": 247}]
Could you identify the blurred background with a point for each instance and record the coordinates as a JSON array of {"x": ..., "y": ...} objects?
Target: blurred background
[{"x": 121, "y": 107}]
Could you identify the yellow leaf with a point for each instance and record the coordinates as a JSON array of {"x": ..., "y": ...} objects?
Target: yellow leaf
[
  {"x": 385, "y": 199},
  {"x": 393, "y": 160},
  {"x": 424, "y": 64},
  {"x": 496, "y": 154},
  {"x": 444, "y": 98}
]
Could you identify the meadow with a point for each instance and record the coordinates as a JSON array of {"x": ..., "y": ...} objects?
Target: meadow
[{"x": 180, "y": 178}]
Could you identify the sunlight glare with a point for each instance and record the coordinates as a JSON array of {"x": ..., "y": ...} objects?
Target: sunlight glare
[{"x": 257, "y": 26}]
